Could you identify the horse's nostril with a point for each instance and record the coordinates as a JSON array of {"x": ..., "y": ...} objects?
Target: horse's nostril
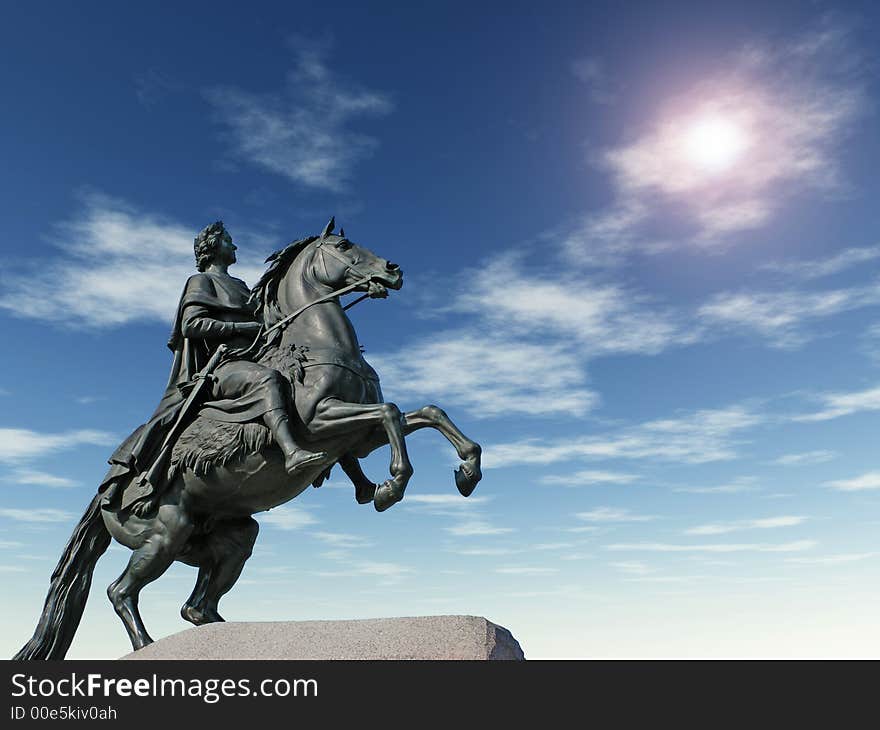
[{"x": 391, "y": 266}]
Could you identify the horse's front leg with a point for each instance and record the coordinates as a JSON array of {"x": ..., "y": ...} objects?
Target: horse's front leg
[
  {"x": 469, "y": 473},
  {"x": 334, "y": 417},
  {"x": 466, "y": 476}
]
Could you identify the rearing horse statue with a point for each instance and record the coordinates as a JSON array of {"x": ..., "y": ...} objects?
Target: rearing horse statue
[{"x": 223, "y": 473}]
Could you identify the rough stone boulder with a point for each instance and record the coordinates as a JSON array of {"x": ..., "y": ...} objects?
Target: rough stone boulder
[{"x": 423, "y": 637}]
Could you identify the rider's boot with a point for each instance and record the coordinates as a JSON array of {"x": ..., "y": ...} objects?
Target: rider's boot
[{"x": 294, "y": 456}]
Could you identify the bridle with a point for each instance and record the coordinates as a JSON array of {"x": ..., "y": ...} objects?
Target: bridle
[
  {"x": 336, "y": 255},
  {"x": 363, "y": 278}
]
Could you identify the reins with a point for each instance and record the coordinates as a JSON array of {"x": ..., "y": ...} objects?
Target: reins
[{"x": 365, "y": 279}]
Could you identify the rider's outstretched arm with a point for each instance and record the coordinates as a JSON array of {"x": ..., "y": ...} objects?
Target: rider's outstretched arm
[{"x": 198, "y": 324}]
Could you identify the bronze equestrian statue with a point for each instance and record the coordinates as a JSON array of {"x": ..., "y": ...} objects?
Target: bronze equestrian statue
[{"x": 268, "y": 390}]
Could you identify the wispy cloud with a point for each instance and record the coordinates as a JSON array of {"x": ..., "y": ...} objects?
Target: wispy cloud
[
  {"x": 695, "y": 438},
  {"x": 482, "y": 552},
  {"x": 832, "y": 559},
  {"x": 817, "y": 268},
  {"x": 526, "y": 570},
  {"x": 488, "y": 375},
  {"x": 305, "y": 131},
  {"x": 445, "y": 501},
  {"x": 18, "y": 444},
  {"x": 868, "y": 481},
  {"x": 477, "y": 528},
  {"x": 737, "y": 486},
  {"x": 40, "y": 478},
  {"x": 805, "y": 458},
  {"x": 612, "y": 514},
  {"x": 386, "y": 573},
  {"x": 342, "y": 540},
  {"x": 601, "y": 317},
  {"x": 633, "y": 567},
  {"x": 587, "y": 477},
  {"x": 41, "y": 514},
  {"x": 781, "y": 316},
  {"x": 287, "y": 517},
  {"x": 835, "y": 405},
  {"x": 661, "y": 547},
  {"x": 764, "y": 523}
]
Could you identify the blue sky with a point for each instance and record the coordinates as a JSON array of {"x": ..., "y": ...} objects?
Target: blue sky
[{"x": 641, "y": 266}]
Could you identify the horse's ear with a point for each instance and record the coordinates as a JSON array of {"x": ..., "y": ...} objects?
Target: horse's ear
[
  {"x": 328, "y": 229},
  {"x": 342, "y": 232}
]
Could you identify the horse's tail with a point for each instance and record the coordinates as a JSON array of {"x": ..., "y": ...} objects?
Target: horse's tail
[{"x": 69, "y": 588}]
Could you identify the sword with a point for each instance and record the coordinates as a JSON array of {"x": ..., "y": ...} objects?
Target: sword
[{"x": 145, "y": 484}]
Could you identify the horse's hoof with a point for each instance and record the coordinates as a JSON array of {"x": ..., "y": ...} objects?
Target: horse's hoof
[
  {"x": 366, "y": 493},
  {"x": 466, "y": 478},
  {"x": 140, "y": 642},
  {"x": 199, "y": 617},
  {"x": 386, "y": 495}
]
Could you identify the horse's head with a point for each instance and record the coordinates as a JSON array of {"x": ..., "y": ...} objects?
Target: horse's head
[
  {"x": 337, "y": 262},
  {"x": 329, "y": 261}
]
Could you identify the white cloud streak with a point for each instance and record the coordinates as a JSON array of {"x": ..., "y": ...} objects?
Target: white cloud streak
[
  {"x": 764, "y": 523},
  {"x": 587, "y": 477},
  {"x": 780, "y": 316},
  {"x": 806, "y": 458},
  {"x": 526, "y": 570},
  {"x": 836, "y": 405},
  {"x": 477, "y": 528},
  {"x": 818, "y": 268},
  {"x": 660, "y": 547},
  {"x": 837, "y": 559},
  {"x": 37, "y": 515},
  {"x": 41, "y": 479},
  {"x": 737, "y": 486},
  {"x": 696, "y": 438},
  {"x": 864, "y": 482},
  {"x": 287, "y": 517},
  {"x": 488, "y": 375},
  {"x": 612, "y": 514},
  {"x": 18, "y": 444}
]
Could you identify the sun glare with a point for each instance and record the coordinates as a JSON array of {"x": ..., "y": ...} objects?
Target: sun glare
[{"x": 714, "y": 143}]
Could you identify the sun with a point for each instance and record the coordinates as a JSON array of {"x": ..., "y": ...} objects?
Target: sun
[{"x": 714, "y": 143}]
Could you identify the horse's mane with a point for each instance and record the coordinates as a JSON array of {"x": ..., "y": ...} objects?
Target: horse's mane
[{"x": 265, "y": 291}]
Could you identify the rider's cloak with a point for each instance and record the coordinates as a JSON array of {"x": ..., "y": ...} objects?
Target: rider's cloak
[{"x": 214, "y": 299}]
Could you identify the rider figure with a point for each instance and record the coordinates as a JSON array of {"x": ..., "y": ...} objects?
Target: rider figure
[{"x": 214, "y": 309}]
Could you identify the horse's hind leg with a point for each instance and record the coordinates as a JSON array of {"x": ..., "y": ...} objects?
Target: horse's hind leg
[
  {"x": 220, "y": 555},
  {"x": 364, "y": 489},
  {"x": 168, "y": 533}
]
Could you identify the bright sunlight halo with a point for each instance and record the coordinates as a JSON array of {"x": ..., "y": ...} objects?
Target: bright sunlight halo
[{"x": 714, "y": 143}]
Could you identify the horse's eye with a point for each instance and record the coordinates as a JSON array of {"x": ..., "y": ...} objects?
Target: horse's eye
[{"x": 343, "y": 245}]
